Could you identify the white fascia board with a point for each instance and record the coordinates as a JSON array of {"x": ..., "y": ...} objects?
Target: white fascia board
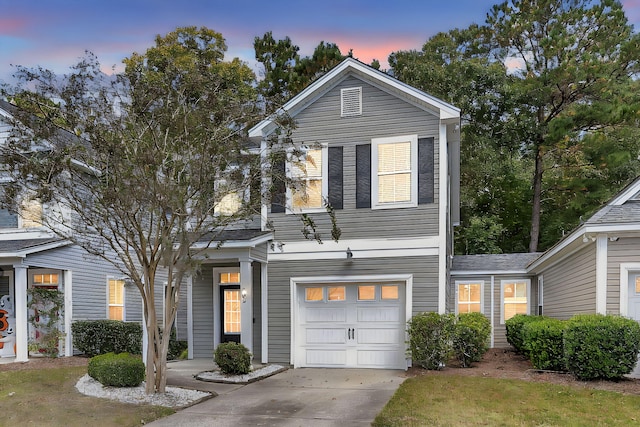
[
  {"x": 626, "y": 193},
  {"x": 360, "y": 248},
  {"x": 251, "y": 243}
]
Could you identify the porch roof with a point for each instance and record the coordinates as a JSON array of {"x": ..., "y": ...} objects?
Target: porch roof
[
  {"x": 245, "y": 237},
  {"x": 493, "y": 263},
  {"x": 21, "y": 247}
]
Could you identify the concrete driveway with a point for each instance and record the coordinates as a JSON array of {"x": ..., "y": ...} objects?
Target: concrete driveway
[{"x": 296, "y": 397}]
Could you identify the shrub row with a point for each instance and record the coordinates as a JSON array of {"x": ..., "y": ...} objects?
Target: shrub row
[
  {"x": 117, "y": 370},
  {"x": 436, "y": 338},
  {"x": 589, "y": 346},
  {"x": 93, "y": 337}
]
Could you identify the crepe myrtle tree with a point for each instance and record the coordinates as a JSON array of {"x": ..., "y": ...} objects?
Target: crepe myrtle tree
[{"x": 138, "y": 166}]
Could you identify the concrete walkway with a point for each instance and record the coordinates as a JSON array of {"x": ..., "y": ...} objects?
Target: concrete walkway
[{"x": 296, "y": 397}]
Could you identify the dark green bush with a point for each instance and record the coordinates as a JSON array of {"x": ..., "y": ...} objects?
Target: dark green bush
[
  {"x": 471, "y": 338},
  {"x": 233, "y": 358},
  {"x": 117, "y": 370},
  {"x": 514, "y": 327},
  {"x": 601, "y": 347},
  {"x": 430, "y": 337},
  {"x": 544, "y": 343},
  {"x": 176, "y": 347},
  {"x": 93, "y": 337}
]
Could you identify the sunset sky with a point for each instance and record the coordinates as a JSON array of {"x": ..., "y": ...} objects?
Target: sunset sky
[{"x": 55, "y": 33}]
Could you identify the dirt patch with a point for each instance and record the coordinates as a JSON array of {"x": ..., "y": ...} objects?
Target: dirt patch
[
  {"x": 45, "y": 363},
  {"x": 505, "y": 363}
]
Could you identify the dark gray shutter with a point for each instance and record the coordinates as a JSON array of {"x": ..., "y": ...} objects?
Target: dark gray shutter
[
  {"x": 335, "y": 183},
  {"x": 425, "y": 170},
  {"x": 278, "y": 187},
  {"x": 363, "y": 176}
]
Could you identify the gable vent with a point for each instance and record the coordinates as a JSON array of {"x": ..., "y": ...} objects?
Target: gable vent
[{"x": 351, "y": 101}]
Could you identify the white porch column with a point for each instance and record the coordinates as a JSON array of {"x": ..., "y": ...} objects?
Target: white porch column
[
  {"x": 601, "y": 274},
  {"x": 246, "y": 307},
  {"x": 190, "y": 317},
  {"x": 68, "y": 312},
  {"x": 22, "y": 329},
  {"x": 264, "y": 284}
]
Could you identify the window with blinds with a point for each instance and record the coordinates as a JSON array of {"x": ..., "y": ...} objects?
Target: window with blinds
[
  {"x": 308, "y": 173},
  {"x": 394, "y": 172},
  {"x": 116, "y": 299}
]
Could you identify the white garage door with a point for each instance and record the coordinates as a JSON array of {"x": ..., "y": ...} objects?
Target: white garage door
[{"x": 351, "y": 326}]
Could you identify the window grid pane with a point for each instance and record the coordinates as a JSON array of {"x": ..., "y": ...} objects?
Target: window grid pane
[
  {"x": 336, "y": 293},
  {"x": 394, "y": 172},
  {"x": 230, "y": 277},
  {"x": 232, "y": 311},
  {"x": 366, "y": 292},
  {"x": 313, "y": 294},
  {"x": 637, "y": 284},
  {"x": 515, "y": 299},
  {"x": 389, "y": 292},
  {"x": 116, "y": 299}
]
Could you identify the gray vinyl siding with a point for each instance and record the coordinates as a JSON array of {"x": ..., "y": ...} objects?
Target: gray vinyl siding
[
  {"x": 570, "y": 285},
  {"x": 89, "y": 276},
  {"x": 425, "y": 289},
  {"x": 383, "y": 115},
  {"x": 625, "y": 250},
  {"x": 203, "y": 312}
]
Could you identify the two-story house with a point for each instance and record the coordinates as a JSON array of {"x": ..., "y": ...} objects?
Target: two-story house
[{"x": 386, "y": 157}]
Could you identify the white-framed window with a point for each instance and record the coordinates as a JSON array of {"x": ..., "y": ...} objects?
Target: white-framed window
[
  {"x": 469, "y": 296},
  {"x": 514, "y": 297},
  {"x": 394, "y": 172},
  {"x": 308, "y": 173},
  {"x": 115, "y": 299}
]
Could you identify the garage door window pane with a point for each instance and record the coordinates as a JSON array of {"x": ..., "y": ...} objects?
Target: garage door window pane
[
  {"x": 389, "y": 292},
  {"x": 366, "y": 292},
  {"x": 313, "y": 294},
  {"x": 637, "y": 284},
  {"x": 336, "y": 293}
]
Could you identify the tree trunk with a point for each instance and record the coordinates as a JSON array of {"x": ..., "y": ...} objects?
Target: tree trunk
[{"x": 537, "y": 201}]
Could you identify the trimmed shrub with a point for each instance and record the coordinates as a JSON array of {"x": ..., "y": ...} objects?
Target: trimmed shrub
[
  {"x": 233, "y": 358},
  {"x": 430, "y": 337},
  {"x": 601, "y": 347},
  {"x": 470, "y": 338},
  {"x": 544, "y": 343},
  {"x": 514, "y": 327},
  {"x": 93, "y": 337},
  {"x": 117, "y": 370},
  {"x": 176, "y": 348}
]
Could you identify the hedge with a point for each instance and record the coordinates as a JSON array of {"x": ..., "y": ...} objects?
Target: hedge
[
  {"x": 232, "y": 358},
  {"x": 430, "y": 336},
  {"x": 601, "y": 347},
  {"x": 117, "y": 370},
  {"x": 514, "y": 328},
  {"x": 471, "y": 338},
  {"x": 544, "y": 343},
  {"x": 93, "y": 337}
]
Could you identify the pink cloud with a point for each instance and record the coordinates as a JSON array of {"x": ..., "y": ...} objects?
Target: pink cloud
[{"x": 12, "y": 26}]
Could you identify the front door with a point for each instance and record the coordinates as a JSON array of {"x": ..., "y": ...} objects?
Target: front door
[{"x": 230, "y": 300}]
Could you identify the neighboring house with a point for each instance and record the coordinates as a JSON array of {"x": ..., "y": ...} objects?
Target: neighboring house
[
  {"x": 596, "y": 268},
  {"x": 30, "y": 256}
]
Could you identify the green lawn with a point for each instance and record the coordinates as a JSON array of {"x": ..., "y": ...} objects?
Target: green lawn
[
  {"x": 48, "y": 397},
  {"x": 475, "y": 401}
]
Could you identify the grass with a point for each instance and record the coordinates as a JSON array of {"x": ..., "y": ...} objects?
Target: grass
[
  {"x": 48, "y": 397},
  {"x": 476, "y": 401}
]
